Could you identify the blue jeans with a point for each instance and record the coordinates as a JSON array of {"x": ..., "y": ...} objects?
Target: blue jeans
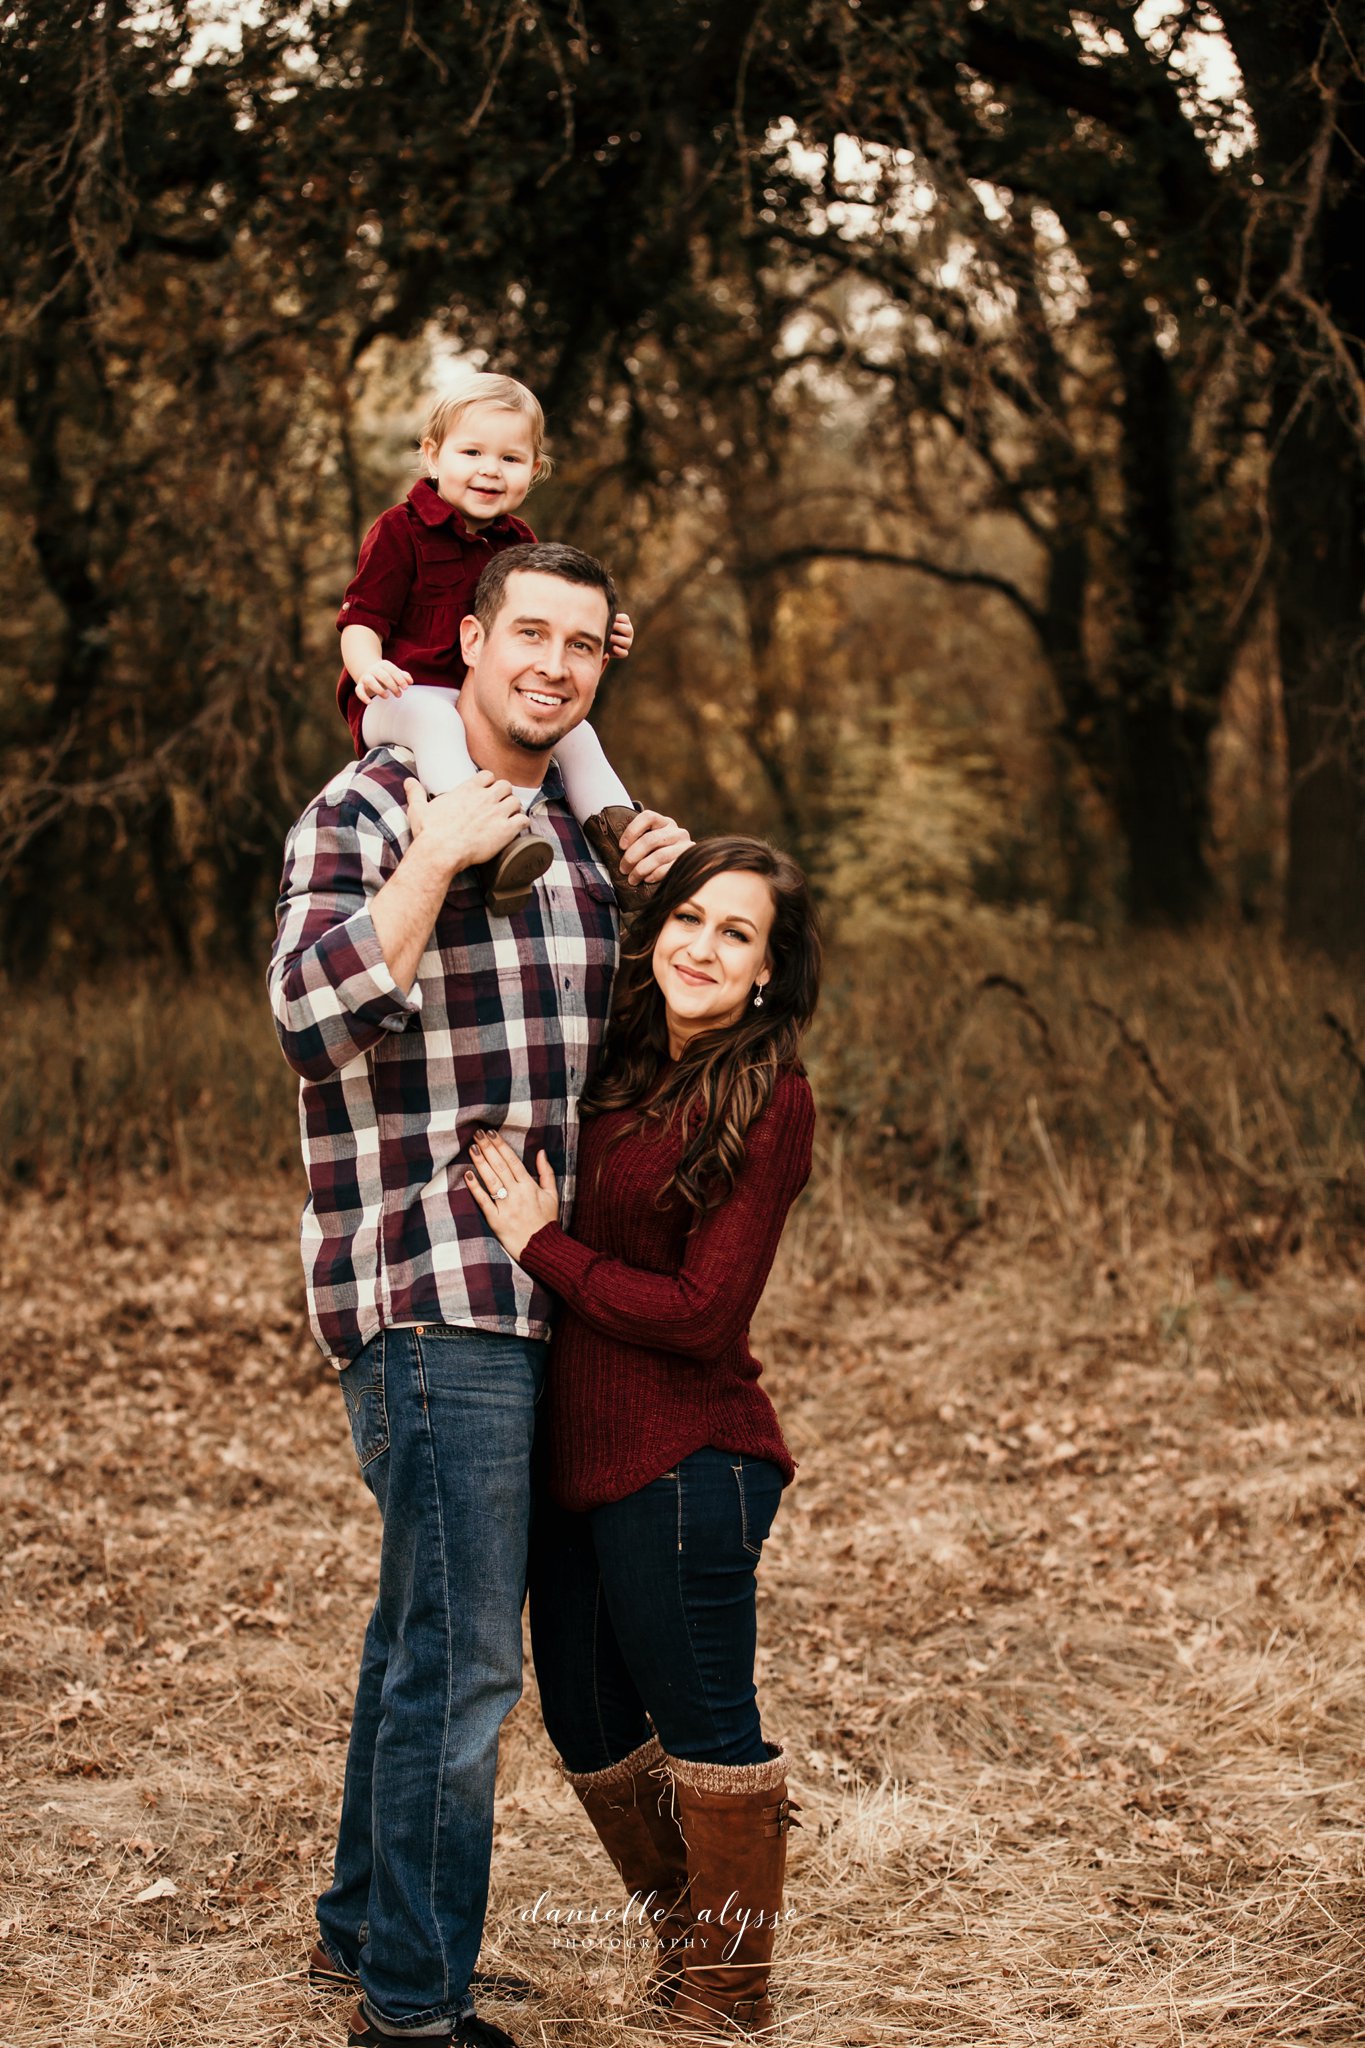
[
  {"x": 643, "y": 1612},
  {"x": 442, "y": 1422}
]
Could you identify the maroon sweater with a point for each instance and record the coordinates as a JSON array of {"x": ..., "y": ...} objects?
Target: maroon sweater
[{"x": 650, "y": 1359}]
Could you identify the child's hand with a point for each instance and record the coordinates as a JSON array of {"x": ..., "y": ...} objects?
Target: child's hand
[
  {"x": 622, "y": 637},
  {"x": 385, "y": 679}
]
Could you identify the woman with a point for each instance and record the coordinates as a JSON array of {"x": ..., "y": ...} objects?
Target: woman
[{"x": 663, "y": 1460}]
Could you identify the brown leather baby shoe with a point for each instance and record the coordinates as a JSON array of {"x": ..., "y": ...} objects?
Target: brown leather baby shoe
[
  {"x": 511, "y": 875},
  {"x": 603, "y": 833}
]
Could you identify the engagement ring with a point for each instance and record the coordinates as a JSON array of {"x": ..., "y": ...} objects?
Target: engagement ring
[{"x": 499, "y": 1194}]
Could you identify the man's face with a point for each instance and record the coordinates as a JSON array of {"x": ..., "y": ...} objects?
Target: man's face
[{"x": 534, "y": 673}]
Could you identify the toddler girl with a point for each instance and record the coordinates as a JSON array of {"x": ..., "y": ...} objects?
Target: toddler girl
[{"x": 414, "y": 582}]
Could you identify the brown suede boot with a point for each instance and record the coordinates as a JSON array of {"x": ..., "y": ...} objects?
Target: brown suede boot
[
  {"x": 630, "y": 1804},
  {"x": 735, "y": 1819},
  {"x": 603, "y": 834},
  {"x": 510, "y": 876},
  {"x": 325, "y": 1975}
]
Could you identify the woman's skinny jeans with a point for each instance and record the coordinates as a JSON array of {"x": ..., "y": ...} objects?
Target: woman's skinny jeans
[{"x": 642, "y": 1612}]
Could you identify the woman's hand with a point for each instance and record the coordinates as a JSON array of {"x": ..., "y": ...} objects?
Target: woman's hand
[
  {"x": 622, "y": 637},
  {"x": 515, "y": 1205}
]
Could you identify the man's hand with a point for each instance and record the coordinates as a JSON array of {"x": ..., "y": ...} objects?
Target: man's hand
[
  {"x": 458, "y": 830},
  {"x": 622, "y": 637},
  {"x": 385, "y": 679},
  {"x": 469, "y": 824},
  {"x": 649, "y": 846}
]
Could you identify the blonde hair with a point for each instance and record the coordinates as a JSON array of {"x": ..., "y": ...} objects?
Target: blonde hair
[{"x": 487, "y": 389}]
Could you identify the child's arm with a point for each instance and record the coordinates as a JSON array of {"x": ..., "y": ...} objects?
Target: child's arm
[
  {"x": 622, "y": 636},
  {"x": 374, "y": 600},
  {"x": 362, "y": 651}
]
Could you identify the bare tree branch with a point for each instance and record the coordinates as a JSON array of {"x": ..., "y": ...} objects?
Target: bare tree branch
[{"x": 832, "y": 551}]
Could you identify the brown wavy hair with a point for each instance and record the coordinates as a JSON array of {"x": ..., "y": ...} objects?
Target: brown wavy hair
[{"x": 725, "y": 1078}]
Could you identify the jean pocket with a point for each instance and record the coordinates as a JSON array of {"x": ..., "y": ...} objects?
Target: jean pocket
[
  {"x": 362, "y": 1388},
  {"x": 760, "y": 1486}
]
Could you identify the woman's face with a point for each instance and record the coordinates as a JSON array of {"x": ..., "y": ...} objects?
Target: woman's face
[{"x": 712, "y": 951}]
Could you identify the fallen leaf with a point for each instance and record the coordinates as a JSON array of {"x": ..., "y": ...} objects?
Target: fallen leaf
[{"x": 161, "y": 1889}]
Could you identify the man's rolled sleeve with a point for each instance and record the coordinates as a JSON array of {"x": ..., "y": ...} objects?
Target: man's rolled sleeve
[{"x": 331, "y": 991}]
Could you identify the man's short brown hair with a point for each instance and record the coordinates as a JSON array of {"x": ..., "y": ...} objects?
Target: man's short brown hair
[{"x": 549, "y": 558}]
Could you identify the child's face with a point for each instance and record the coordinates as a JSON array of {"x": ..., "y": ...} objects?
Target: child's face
[{"x": 486, "y": 463}]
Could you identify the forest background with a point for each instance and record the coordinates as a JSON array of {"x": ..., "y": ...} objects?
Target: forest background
[{"x": 970, "y": 401}]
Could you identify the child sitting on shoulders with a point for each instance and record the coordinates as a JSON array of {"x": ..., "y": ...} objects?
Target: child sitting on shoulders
[{"x": 400, "y": 621}]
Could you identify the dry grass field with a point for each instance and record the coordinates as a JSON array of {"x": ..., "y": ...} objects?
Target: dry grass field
[{"x": 1062, "y": 1625}]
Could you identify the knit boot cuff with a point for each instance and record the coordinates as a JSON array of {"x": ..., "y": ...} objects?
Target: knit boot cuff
[
  {"x": 764, "y": 1777},
  {"x": 646, "y": 1758}
]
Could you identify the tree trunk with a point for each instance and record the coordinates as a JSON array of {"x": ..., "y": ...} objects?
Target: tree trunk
[
  {"x": 1162, "y": 800},
  {"x": 1308, "y": 284},
  {"x": 760, "y": 592},
  {"x": 1317, "y": 496},
  {"x": 1163, "y": 718},
  {"x": 1319, "y": 579}
]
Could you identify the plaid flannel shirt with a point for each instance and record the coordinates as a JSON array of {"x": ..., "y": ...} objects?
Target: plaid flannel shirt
[{"x": 500, "y": 1029}]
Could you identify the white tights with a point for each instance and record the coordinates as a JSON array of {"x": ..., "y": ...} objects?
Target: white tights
[{"x": 427, "y": 719}]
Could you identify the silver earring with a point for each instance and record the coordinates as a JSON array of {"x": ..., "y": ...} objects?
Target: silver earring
[{"x": 758, "y": 1000}]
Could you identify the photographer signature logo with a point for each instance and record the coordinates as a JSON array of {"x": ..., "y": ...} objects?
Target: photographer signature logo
[{"x": 635, "y": 1922}]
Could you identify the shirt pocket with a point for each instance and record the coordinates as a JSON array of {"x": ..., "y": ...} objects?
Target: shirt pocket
[
  {"x": 464, "y": 928},
  {"x": 598, "y": 909},
  {"x": 442, "y": 594},
  {"x": 444, "y": 572},
  {"x": 590, "y": 901}
]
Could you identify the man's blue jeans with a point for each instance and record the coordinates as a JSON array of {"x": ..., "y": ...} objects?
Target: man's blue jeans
[
  {"x": 442, "y": 1421},
  {"x": 642, "y": 1612}
]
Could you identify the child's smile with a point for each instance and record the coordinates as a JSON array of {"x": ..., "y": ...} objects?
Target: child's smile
[{"x": 486, "y": 463}]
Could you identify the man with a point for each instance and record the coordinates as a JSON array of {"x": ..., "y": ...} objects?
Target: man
[{"x": 414, "y": 1019}]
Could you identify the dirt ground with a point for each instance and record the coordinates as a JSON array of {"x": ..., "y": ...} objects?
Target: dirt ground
[{"x": 1061, "y": 1625}]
